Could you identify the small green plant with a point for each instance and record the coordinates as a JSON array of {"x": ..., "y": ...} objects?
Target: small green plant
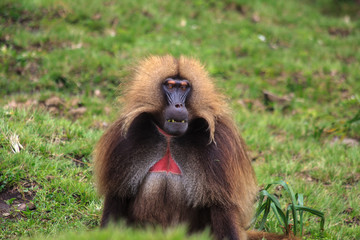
[
  {"x": 6, "y": 180},
  {"x": 10, "y": 201},
  {"x": 296, "y": 208}
]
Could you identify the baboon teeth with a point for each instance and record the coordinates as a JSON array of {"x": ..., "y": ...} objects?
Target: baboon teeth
[{"x": 173, "y": 120}]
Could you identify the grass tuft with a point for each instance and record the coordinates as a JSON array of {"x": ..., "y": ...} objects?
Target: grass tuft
[{"x": 295, "y": 209}]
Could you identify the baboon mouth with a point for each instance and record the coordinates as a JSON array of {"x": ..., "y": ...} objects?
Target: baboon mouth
[
  {"x": 175, "y": 127},
  {"x": 176, "y": 121}
]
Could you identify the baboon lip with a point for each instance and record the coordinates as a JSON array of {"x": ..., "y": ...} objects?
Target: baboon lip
[
  {"x": 163, "y": 132},
  {"x": 175, "y": 128}
]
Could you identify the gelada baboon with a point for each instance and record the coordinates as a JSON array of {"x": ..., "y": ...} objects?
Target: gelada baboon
[{"x": 174, "y": 155}]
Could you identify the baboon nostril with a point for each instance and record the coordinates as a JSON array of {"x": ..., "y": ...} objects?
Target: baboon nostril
[{"x": 178, "y": 105}]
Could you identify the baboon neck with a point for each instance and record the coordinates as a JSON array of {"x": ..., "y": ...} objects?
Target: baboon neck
[{"x": 166, "y": 163}]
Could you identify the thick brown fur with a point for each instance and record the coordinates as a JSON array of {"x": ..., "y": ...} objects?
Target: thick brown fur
[{"x": 217, "y": 187}]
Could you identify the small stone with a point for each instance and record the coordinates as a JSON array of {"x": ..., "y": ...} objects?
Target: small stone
[
  {"x": 22, "y": 207},
  {"x": 31, "y": 206},
  {"x": 97, "y": 93}
]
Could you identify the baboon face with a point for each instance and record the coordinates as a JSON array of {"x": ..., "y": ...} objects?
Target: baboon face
[{"x": 175, "y": 114}]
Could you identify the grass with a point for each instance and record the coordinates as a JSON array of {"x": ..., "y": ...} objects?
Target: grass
[
  {"x": 78, "y": 52},
  {"x": 291, "y": 219}
]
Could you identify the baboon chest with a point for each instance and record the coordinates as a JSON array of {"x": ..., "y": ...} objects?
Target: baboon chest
[
  {"x": 161, "y": 200},
  {"x": 165, "y": 193}
]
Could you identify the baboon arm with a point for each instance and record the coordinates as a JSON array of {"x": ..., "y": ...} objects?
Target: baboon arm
[
  {"x": 225, "y": 224},
  {"x": 114, "y": 209}
]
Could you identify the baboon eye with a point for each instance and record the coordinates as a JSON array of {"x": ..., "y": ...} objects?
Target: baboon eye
[
  {"x": 183, "y": 86},
  {"x": 170, "y": 84}
]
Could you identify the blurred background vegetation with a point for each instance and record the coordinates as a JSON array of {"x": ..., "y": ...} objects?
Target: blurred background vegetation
[{"x": 290, "y": 70}]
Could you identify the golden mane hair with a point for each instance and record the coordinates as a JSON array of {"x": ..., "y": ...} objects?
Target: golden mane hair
[{"x": 151, "y": 72}]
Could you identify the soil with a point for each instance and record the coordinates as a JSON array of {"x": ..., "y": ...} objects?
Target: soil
[
  {"x": 355, "y": 221},
  {"x": 18, "y": 201}
]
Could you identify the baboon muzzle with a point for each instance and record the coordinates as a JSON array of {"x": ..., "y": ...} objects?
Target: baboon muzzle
[{"x": 176, "y": 119}]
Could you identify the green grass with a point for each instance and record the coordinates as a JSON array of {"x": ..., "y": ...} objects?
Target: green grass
[
  {"x": 79, "y": 51},
  {"x": 121, "y": 232},
  {"x": 290, "y": 218}
]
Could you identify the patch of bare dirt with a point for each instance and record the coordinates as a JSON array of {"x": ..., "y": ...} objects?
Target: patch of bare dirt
[
  {"x": 49, "y": 45},
  {"x": 309, "y": 178},
  {"x": 77, "y": 112},
  {"x": 351, "y": 180},
  {"x": 348, "y": 210},
  {"x": 28, "y": 104},
  {"x": 282, "y": 101},
  {"x": 257, "y": 156},
  {"x": 55, "y": 105},
  {"x": 73, "y": 109},
  {"x": 30, "y": 70},
  {"x": 240, "y": 53},
  {"x": 255, "y": 18},
  {"x": 350, "y": 142},
  {"x": 279, "y": 134},
  {"x": 14, "y": 201},
  {"x": 79, "y": 160},
  {"x": 341, "y": 32},
  {"x": 14, "y": 13},
  {"x": 298, "y": 79},
  {"x": 347, "y": 60},
  {"x": 237, "y": 7},
  {"x": 100, "y": 125},
  {"x": 355, "y": 221},
  {"x": 6, "y": 40},
  {"x": 252, "y": 104},
  {"x": 337, "y": 77}
]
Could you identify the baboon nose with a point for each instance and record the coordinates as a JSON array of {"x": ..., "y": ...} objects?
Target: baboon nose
[{"x": 178, "y": 105}]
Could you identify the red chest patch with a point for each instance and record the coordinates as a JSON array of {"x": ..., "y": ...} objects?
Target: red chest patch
[{"x": 167, "y": 163}]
